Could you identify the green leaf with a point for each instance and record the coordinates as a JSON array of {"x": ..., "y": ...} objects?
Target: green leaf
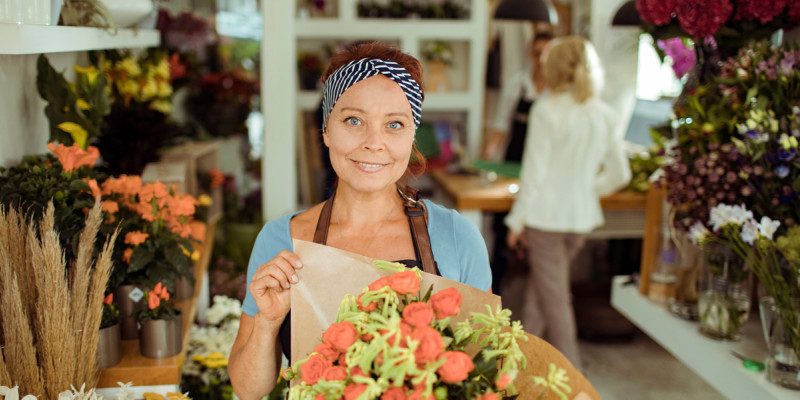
[
  {"x": 79, "y": 185},
  {"x": 140, "y": 258}
]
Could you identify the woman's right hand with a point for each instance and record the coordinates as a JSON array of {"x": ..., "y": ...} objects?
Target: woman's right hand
[{"x": 271, "y": 282}]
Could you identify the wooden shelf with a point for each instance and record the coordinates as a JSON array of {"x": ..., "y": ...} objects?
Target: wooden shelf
[
  {"x": 34, "y": 39},
  {"x": 710, "y": 359},
  {"x": 144, "y": 371}
]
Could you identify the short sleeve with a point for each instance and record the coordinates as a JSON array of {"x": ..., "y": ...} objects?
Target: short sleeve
[{"x": 274, "y": 237}]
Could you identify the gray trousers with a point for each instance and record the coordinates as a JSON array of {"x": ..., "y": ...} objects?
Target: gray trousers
[{"x": 547, "y": 300}]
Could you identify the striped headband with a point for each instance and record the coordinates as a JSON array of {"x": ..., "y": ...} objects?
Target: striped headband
[{"x": 354, "y": 71}]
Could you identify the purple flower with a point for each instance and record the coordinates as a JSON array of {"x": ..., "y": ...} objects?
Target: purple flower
[
  {"x": 786, "y": 154},
  {"x": 782, "y": 171},
  {"x": 752, "y": 134},
  {"x": 683, "y": 57},
  {"x": 786, "y": 66}
]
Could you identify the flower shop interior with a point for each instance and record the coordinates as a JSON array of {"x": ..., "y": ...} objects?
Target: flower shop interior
[{"x": 196, "y": 121}]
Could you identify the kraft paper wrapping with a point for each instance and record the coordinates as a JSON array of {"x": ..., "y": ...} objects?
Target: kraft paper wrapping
[{"x": 328, "y": 274}]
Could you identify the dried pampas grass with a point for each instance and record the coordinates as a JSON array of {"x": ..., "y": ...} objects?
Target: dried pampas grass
[{"x": 50, "y": 343}]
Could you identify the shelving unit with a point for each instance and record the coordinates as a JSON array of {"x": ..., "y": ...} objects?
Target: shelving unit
[
  {"x": 34, "y": 39},
  {"x": 286, "y": 34},
  {"x": 710, "y": 359}
]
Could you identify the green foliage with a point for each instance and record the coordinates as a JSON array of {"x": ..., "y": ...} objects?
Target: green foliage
[
  {"x": 38, "y": 179},
  {"x": 67, "y": 102}
]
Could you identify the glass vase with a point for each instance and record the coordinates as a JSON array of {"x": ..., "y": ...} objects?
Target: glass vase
[
  {"x": 723, "y": 304},
  {"x": 783, "y": 364}
]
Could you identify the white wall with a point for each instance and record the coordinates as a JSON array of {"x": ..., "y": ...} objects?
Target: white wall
[{"x": 23, "y": 126}]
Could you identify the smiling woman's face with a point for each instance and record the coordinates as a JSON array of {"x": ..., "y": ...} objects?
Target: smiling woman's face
[{"x": 370, "y": 133}]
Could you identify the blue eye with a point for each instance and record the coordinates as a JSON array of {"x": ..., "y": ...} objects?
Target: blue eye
[
  {"x": 395, "y": 125},
  {"x": 352, "y": 121}
]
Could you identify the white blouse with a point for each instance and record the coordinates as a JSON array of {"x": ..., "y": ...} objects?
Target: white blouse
[
  {"x": 571, "y": 159},
  {"x": 519, "y": 86}
]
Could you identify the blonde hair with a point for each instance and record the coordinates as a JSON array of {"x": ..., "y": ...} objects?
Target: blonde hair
[{"x": 571, "y": 64}]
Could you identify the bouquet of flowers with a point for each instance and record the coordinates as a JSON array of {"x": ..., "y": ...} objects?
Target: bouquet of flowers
[
  {"x": 395, "y": 340},
  {"x": 222, "y": 101}
]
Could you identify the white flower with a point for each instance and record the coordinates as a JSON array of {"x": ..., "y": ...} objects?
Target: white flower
[
  {"x": 223, "y": 308},
  {"x": 125, "y": 392},
  {"x": 749, "y": 231},
  {"x": 723, "y": 214},
  {"x": 13, "y": 393},
  {"x": 697, "y": 232},
  {"x": 767, "y": 227},
  {"x": 74, "y": 394}
]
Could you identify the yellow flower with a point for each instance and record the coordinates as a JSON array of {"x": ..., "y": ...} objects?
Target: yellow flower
[
  {"x": 131, "y": 66},
  {"x": 162, "y": 69},
  {"x": 217, "y": 355},
  {"x": 152, "y": 396},
  {"x": 199, "y": 358},
  {"x": 195, "y": 255},
  {"x": 185, "y": 252},
  {"x": 177, "y": 396},
  {"x": 82, "y": 104},
  {"x": 164, "y": 106},
  {"x": 128, "y": 87},
  {"x": 79, "y": 135},
  {"x": 164, "y": 89},
  {"x": 204, "y": 200},
  {"x": 91, "y": 72},
  {"x": 149, "y": 89}
]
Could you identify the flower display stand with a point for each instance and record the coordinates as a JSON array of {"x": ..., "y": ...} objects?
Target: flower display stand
[{"x": 163, "y": 373}]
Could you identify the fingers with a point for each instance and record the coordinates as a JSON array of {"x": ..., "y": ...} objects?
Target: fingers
[{"x": 279, "y": 272}]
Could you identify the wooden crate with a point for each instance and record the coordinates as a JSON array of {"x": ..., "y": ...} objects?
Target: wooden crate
[
  {"x": 168, "y": 172},
  {"x": 199, "y": 157}
]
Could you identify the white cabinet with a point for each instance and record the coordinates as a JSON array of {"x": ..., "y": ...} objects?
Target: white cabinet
[{"x": 288, "y": 31}]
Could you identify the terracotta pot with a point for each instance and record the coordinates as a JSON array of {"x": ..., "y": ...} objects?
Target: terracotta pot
[
  {"x": 108, "y": 347},
  {"x": 128, "y": 325},
  {"x": 160, "y": 338}
]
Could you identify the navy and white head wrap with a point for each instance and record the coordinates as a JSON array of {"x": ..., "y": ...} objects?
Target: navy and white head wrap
[{"x": 357, "y": 70}]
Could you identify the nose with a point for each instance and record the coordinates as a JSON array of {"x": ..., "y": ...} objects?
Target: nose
[{"x": 373, "y": 139}]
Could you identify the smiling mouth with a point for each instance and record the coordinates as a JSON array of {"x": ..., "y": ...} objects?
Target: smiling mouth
[{"x": 369, "y": 166}]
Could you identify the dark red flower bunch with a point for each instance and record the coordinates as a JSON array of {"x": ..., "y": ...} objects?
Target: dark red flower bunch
[
  {"x": 703, "y": 18},
  {"x": 760, "y": 10},
  {"x": 656, "y": 12}
]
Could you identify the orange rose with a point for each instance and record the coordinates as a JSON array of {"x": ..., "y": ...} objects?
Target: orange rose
[
  {"x": 319, "y": 396},
  {"x": 369, "y": 307},
  {"x": 313, "y": 369},
  {"x": 152, "y": 300},
  {"x": 335, "y": 373},
  {"x": 430, "y": 344},
  {"x": 340, "y": 335},
  {"x": 353, "y": 390},
  {"x": 327, "y": 351},
  {"x": 406, "y": 282},
  {"x": 418, "y": 314},
  {"x": 378, "y": 284},
  {"x": 136, "y": 238},
  {"x": 419, "y": 394},
  {"x": 488, "y": 396},
  {"x": 395, "y": 393},
  {"x": 502, "y": 381},
  {"x": 446, "y": 302},
  {"x": 108, "y": 299},
  {"x": 456, "y": 368},
  {"x": 357, "y": 371}
]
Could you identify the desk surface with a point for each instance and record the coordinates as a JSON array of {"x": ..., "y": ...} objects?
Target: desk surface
[
  {"x": 471, "y": 192},
  {"x": 710, "y": 359}
]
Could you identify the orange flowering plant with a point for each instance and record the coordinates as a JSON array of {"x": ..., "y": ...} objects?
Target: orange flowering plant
[
  {"x": 110, "y": 312},
  {"x": 157, "y": 230},
  {"x": 159, "y": 305},
  {"x": 395, "y": 341}
]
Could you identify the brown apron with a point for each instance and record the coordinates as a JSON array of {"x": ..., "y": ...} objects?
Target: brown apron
[{"x": 415, "y": 211}]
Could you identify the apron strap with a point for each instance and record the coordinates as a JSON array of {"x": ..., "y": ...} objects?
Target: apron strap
[{"x": 415, "y": 211}]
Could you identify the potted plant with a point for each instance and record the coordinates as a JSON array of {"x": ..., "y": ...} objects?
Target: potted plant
[
  {"x": 439, "y": 57},
  {"x": 160, "y": 323},
  {"x": 108, "y": 344}
]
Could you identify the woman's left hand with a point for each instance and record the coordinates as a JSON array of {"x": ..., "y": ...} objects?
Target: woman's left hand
[{"x": 516, "y": 241}]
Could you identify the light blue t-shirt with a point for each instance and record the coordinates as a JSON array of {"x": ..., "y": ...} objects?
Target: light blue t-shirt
[{"x": 458, "y": 248}]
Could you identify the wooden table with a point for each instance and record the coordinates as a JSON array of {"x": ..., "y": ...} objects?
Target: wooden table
[
  {"x": 143, "y": 371},
  {"x": 473, "y": 195}
]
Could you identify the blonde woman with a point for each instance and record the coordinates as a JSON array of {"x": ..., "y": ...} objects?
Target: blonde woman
[{"x": 571, "y": 158}]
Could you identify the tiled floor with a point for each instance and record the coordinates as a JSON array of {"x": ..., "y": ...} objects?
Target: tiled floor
[{"x": 641, "y": 370}]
